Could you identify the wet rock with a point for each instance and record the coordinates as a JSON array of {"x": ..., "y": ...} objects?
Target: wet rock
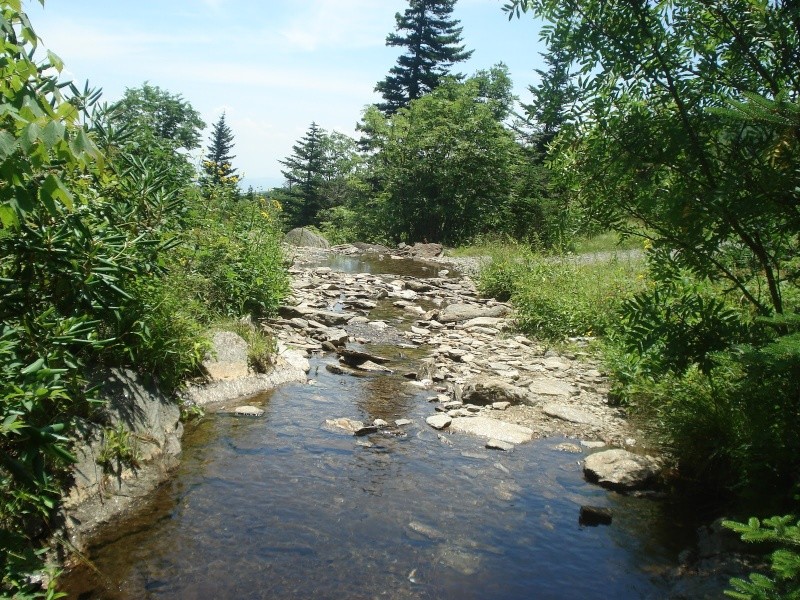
[
  {"x": 492, "y": 429},
  {"x": 343, "y": 370},
  {"x": 567, "y": 447},
  {"x": 592, "y": 516},
  {"x": 592, "y": 444},
  {"x": 426, "y": 530},
  {"x": 356, "y": 357},
  {"x": 493, "y": 444},
  {"x": 248, "y": 411},
  {"x": 337, "y": 337},
  {"x": 488, "y": 390},
  {"x": 325, "y": 317},
  {"x": 380, "y": 423},
  {"x": 365, "y": 430},
  {"x": 439, "y": 421},
  {"x": 345, "y": 424},
  {"x": 619, "y": 469},
  {"x": 402, "y": 422},
  {"x": 371, "y": 367},
  {"x": 569, "y": 413}
]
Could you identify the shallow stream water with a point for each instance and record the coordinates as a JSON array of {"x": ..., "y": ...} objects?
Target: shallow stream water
[{"x": 283, "y": 507}]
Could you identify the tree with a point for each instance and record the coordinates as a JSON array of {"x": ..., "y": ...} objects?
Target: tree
[
  {"x": 433, "y": 42},
  {"x": 158, "y": 127},
  {"x": 552, "y": 98},
  {"x": 305, "y": 175},
  {"x": 217, "y": 165},
  {"x": 445, "y": 166},
  {"x": 687, "y": 124}
]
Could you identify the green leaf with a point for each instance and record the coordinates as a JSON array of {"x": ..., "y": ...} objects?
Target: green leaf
[
  {"x": 33, "y": 367},
  {"x": 8, "y": 145},
  {"x": 52, "y": 191}
]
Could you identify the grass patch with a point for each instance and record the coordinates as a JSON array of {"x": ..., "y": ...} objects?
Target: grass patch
[
  {"x": 609, "y": 241},
  {"x": 558, "y": 297}
]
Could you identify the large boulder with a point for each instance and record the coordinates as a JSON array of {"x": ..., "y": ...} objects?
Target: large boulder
[
  {"x": 420, "y": 250},
  {"x": 305, "y": 238},
  {"x": 620, "y": 470},
  {"x": 228, "y": 357},
  {"x": 488, "y": 390}
]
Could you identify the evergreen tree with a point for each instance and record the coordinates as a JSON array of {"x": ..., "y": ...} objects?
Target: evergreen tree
[
  {"x": 305, "y": 176},
  {"x": 433, "y": 40},
  {"x": 218, "y": 162},
  {"x": 552, "y": 98}
]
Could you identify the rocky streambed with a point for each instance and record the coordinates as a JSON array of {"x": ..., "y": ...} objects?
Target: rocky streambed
[
  {"x": 484, "y": 379},
  {"x": 420, "y": 448}
]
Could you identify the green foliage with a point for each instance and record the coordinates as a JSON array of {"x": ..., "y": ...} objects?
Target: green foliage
[
  {"x": 784, "y": 562},
  {"x": 433, "y": 41},
  {"x": 261, "y": 347},
  {"x": 557, "y": 297},
  {"x": 218, "y": 163},
  {"x": 305, "y": 173},
  {"x": 686, "y": 127},
  {"x": 119, "y": 449},
  {"x": 231, "y": 262}
]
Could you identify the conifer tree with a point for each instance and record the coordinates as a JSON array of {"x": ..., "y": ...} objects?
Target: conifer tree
[
  {"x": 217, "y": 165},
  {"x": 305, "y": 177},
  {"x": 433, "y": 41}
]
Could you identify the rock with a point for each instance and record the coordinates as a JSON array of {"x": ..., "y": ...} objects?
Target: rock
[
  {"x": 420, "y": 250},
  {"x": 96, "y": 496},
  {"x": 593, "y": 516},
  {"x": 492, "y": 429},
  {"x": 402, "y": 422},
  {"x": 567, "y": 447},
  {"x": 356, "y": 357},
  {"x": 483, "y": 322},
  {"x": 228, "y": 357},
  {"x": 418, "y": 286},
  {"x": 326, "y": 317},
  {"x": 455, "y": 313},
  {"x": 500, "y": 405},
  {"x": 380, "y": 423},
  {"x": 552, "y": 387},
  {"x": 619, "y": 469},
  {"x": 493, "y": 444},
  {"x": 345, "y": 424},
  {"x": 366, "y": 430},
  {"x": 248, "y": 411},
  {"x": 337, "y": 337},
  {"x": 592, "y": 444},
  {"x": 305, "y": 238},
  {"x": 342, "y": 370},
  {"x": 426, "y": 530},
  {"x": 439, "y": 421},
  {"x": 371, "y": 367},
  {"x": 571, "y": 414},
  {"x": 488, "y": 390}
]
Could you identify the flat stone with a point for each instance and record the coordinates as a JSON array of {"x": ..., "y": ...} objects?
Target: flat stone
[
  {"x": 439, "y": 421},
  {"x": 571, "y": 414},
  {"x": 567, "y": 447},
  {"x": 499, "y": 445},
  {"x": 372, "y": 367},
  {"x": 345, "y": 424},
  {"x": 500, "y": 405},
  {"x": 248, "y": 411},
  {"x": 552, "y": 387},
  {"x": 455, "y": 313},
  {"x": 228, "y": 358},
  {"x": 619, "y": 469},
  {"x": 402, "y": 422},
  {"x": 356, "y": 357},
  {"x": 483, "y": 322},
  {"x": 492, "y": 429},
  {"x": 592, "y": 444},
  {"x": 343, "y": 370}
]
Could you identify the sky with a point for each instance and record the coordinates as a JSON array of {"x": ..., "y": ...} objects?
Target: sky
[{"x": 272, "y": 66}]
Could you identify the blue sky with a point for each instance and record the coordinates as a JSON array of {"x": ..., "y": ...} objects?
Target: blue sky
[{"x": 273, "y": 66}]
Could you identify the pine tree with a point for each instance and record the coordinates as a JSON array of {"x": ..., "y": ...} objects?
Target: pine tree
[
  {"x": 433, "y": 39},
  {"x": 552, "y": 98},
  {"x": 305, "y": 170},
  {"x": 217, "y": 165}
]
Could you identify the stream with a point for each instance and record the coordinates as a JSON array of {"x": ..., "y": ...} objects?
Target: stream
[{"x": 282, "y": 507}]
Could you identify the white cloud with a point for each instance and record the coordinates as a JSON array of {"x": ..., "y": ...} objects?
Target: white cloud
[{"x": 341, "y": 23}]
